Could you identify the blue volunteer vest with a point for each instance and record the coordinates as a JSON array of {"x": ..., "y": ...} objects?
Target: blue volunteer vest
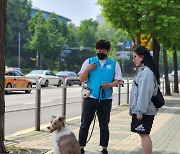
[{"x": 99, "y": 76}]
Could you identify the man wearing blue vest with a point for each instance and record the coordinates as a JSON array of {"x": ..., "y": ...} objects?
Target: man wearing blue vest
[{"x": 101, "y": 74}]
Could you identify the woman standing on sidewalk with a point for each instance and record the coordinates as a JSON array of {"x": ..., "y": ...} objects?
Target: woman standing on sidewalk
[{"x": 144, "y": 86}]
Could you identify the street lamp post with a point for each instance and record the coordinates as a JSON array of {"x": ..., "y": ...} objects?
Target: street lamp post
[
  {"x": 19, "y": 50},
  {"x": 37, "y": 59}
]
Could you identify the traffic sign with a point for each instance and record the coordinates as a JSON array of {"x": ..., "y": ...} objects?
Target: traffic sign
[{"x": 145, "y": 40}]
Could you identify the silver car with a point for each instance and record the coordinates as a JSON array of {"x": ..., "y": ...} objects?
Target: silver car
[
  {"x": 69, "y": 74},
  {"x": 47, "y": 77}
]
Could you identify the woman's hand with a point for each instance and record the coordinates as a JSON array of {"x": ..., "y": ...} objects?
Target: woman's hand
[{"x": 139, "y": 117}]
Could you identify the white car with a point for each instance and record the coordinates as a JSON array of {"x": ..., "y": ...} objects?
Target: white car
[
  {"x": 171, "y": 76},
  {"x": 48, "y": 77}
]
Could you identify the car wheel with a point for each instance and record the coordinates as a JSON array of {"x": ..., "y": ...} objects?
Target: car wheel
[
  {"x": 70, "y": 83},
  {"x": 46, "y": 83},
  {"x": 8, "y": 91},
  {"x": 29, "y": 86},
  {"x": 59, "y": 83}
]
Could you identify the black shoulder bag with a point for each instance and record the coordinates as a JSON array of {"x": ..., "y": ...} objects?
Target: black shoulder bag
[{"x": 158, "y": 100}]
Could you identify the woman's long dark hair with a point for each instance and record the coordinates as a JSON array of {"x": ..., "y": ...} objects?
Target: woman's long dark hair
[{"x": 148, "y": 60}]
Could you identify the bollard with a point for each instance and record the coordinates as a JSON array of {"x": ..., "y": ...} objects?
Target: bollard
[
  {"x": 127, "y": 90},
  {"x": 119, "y": 94},
  {"x": 38, "y": 105},
  {"x": 64, "y": 101},
  {"x": 64, "y": 91}
]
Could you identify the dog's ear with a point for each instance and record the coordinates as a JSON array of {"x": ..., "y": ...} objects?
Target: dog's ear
[{"x": 62, "y": 118}]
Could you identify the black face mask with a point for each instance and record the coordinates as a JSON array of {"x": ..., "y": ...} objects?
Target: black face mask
[{"x": 101, "y": 56}]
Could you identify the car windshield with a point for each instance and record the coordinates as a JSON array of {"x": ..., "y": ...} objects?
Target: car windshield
[
  {"x": 15, "y": 68},
  {"x": 36, "y": 72},
  {"x": 62, "y": 73}
]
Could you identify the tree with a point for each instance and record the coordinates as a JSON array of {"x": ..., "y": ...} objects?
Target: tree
[
  {"x": 168, "y": 33},
  {"x": 87, "y": 33},
  {"x": 63, "y": 28},
  {"x": 8, "y": 34},
  {"x": 175, "y": 45},
  {"x": 18, "y": 14},
  {"x": 72, "y": 38},
  {"x": 144, "y": 17},
  {"x": 86, "y": 38},
  {"x": 39, "y": 40},
  {"x": 175, "y": 66},
  {"x": 3, "y": 4},
  {"x": 125, "y": 15},
  {"x": 56, "y": 40},
  {"x": 117, "y": 38}
]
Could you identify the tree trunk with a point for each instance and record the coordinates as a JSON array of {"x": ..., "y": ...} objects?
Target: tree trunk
[
  {"x": 156, "y": 50},
  {"x": 41, "y": 59},
  {"x": 138, "y": 40},
  {"x": 3, "y": 4},
  {"x": 175, "y": 65},
  {"x": 167, "y": 85},
  {"x": 52, "y": 63}
]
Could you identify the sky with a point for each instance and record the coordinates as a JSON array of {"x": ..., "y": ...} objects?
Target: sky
[{"x": 75, "y": 10}]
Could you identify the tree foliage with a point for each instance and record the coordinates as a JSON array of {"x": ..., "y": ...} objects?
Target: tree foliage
[
  {"x": 18, "y": 14},
  {"x": 72, "y": 38},
  {"x": 86, "y": 36},
  {"x": 87, "y": 33},
  {"x": 159, "y": 19},
  {"x": 39, "y": 40},
  {"x": 56, "y": 39}
]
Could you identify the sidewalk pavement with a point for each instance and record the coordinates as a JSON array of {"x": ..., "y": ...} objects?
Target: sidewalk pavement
[{"x": 165, "y": 134}]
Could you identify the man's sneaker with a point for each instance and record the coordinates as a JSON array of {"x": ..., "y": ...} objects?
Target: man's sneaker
[
  {"x": 82, "y": 151},
  {"x": 104, "y": 151}
]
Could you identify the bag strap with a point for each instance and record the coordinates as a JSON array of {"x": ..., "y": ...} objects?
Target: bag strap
[
  {"x": 157, "y": 85},
  {"x": 135, "y": 83}
]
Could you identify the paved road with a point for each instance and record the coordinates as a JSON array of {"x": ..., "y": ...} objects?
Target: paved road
[{"x": 24, "y": 104}]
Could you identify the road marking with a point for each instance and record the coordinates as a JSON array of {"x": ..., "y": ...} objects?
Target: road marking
[
  {"x": 29, "y": 103},
  {"x": 35, "y": 102},
  {"x": 48, "y": 101}
]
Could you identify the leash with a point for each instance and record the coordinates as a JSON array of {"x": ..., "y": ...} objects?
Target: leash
[
  {"x": 103, "y": 95},
  {"x": 92, "y": 128}
]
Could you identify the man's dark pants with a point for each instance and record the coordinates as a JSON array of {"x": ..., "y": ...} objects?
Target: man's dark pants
[{"x": 103, "y": 108}]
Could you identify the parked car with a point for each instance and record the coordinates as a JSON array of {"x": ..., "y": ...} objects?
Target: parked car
[
  {"x": 11, "y": 81},
  {"x": 14, "y": 68},
  {"x": 48, "y": 77},
  {"x": 171, "y": 76},
  {"x": 67, "y": 74}
]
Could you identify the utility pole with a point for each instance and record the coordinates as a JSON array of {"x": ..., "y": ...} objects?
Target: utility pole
[
  {"x": 19, "y": 50},
  {"x": 37, "y": 60}
]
